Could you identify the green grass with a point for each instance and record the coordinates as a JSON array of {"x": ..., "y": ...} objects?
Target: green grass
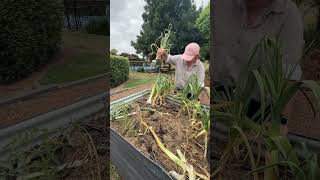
[
  {"x": 78, "y": 66},
  {"x": 85, "y": 57},
  {"x": 81, "y": 40},
  {"x": 137, "y": 79}
]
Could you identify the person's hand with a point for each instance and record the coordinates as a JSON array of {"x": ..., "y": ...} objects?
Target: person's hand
[{"x": 162, "y": 54}]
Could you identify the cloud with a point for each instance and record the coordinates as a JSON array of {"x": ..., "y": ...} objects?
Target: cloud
[{"x": 126, "y": 21}]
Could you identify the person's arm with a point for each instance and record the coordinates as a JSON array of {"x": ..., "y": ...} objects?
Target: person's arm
[
  {"x": 172, "y": 59},
  {"x": 291, "y": 36},
  {"x": 167, "y": 58}
]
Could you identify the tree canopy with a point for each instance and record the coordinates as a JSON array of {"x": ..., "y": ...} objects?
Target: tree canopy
[
  {"x": 113, "y": 52},
  {"x": 182, "y": 14},
  {"x": 203, "y": 25}
]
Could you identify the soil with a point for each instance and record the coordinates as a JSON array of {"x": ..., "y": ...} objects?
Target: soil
[
  {"x": 232, "y": 170},
  {"x": 172, "y": 132},
  {"x": 311, "y": 66},
  {"x": 301, "y": 118},
  {"x": 42, "y": 103}
]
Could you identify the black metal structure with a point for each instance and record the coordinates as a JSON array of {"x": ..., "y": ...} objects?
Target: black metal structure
[{"x": 78, "y": 12}]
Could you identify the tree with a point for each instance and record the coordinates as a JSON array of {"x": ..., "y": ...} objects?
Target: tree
[
  {"x": 203, "y": 25},
  {"x": 124, "y": 55},
  {"x": 182, "y": 14},
  {"x": 113, "y": 52}
]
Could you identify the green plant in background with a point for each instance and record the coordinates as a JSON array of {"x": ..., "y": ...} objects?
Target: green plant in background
[
  {"x": 29, "y": 38},
  {"x": 114, "y": 51},
  {"x": 158, "y": 14},
  {"x": 98, "y": 26},
  {"x": 140, "y": 69},
  {"x": 119, "y": 70},
  {"x": 275, "y": 91},
  {"x": 203, "y": 25}
]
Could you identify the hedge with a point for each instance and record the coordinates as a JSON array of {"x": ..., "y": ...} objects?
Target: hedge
[
  {"x": 119, "y": 70},
  {"x": 30, "y": 34}
]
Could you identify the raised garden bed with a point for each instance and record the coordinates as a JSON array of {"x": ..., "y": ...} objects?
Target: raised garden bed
[
  {"x": 78, "y": 152},
  {"x": 174, "y": 132}
]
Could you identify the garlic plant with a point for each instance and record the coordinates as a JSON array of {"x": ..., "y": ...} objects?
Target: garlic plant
[
  {"x": 275, "y": 91},
  {"x": 160, "y": 89}
]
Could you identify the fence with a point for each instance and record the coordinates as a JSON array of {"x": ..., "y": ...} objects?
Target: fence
[{"x": 77, "y": 13}]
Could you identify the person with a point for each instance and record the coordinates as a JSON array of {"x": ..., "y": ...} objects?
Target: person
[
  {"x": 186, "y": 64},
  {"x": 241, "y": 24}
]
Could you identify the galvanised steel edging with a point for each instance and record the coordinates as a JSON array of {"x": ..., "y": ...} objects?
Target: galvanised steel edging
[
  {"x": 130, "y": 163},
  {"x": 55, "y": 119}
]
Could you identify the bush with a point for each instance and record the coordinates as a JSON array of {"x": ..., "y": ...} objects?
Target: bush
[
  {"x": 140, "y": 69},
  {"x": 30, "y": 36},
  {"x": 98, "y": 26},
  {"x": 119, "y": 70}
]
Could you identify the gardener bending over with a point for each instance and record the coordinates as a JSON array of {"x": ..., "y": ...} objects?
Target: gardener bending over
[{"x": 186, "y": 64}]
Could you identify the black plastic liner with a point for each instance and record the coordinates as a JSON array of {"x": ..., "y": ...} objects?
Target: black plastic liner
[{"x": 130, "y": 163}]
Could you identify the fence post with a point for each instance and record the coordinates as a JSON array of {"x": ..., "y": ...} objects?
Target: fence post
[
  {"x": 66, "y": 13},
  {"x": 75, "y": 14}
]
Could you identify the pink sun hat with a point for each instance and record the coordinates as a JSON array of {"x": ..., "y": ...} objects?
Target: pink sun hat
[{"x": 190, "y": 51}]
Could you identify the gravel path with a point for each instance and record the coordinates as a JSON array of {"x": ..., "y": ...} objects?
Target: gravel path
[{"x": 45, "y": 102}]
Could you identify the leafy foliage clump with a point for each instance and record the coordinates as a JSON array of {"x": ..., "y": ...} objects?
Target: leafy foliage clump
[
  {"x": 158, "y": 14},
  {"x": 119, "y": 70},
  {"x": 30, "y": 36}
]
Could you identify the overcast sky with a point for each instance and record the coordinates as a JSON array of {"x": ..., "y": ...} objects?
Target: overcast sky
[{"x": 126, "y": 21}]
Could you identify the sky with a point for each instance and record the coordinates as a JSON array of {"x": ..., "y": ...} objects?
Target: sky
[{"x": 126, "y": 21}]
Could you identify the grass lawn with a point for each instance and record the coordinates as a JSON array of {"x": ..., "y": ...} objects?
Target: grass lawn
[
  {"x": 137, "y": 79},
  {"x": 79, "y": 66},
  {"x": 85, "y": 56}
]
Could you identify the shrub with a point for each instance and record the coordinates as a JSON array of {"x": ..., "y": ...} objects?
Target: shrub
[
  {"x": 140, "y": 69},
  {"x": 119, "y": 70},
  {"x": 30, "y": 36},
  {"x": 98, "y": 26}
]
